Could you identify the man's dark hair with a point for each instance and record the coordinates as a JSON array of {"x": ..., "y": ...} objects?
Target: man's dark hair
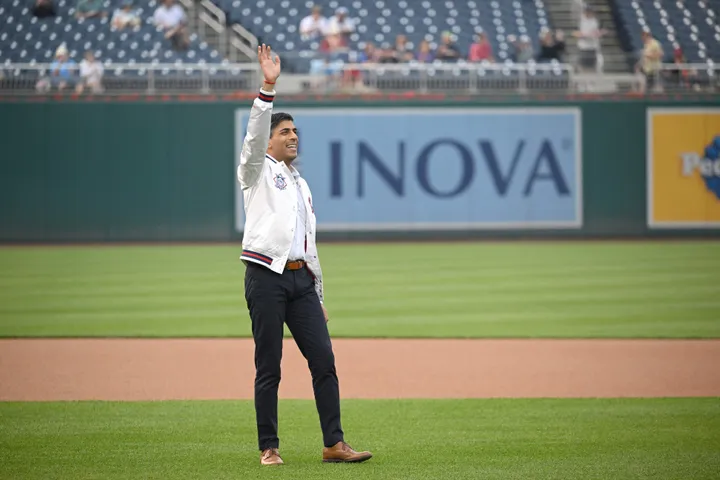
[{"x": 277, "y": 119}]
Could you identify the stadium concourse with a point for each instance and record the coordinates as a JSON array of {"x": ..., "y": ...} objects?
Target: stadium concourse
[{"x": 426, "y": 45}]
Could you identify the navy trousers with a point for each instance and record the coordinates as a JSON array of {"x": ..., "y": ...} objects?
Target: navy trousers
[{"x": 290, "y": 298}]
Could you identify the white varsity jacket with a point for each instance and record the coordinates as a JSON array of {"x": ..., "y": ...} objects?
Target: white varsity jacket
[{"x": 270, "y": 199}]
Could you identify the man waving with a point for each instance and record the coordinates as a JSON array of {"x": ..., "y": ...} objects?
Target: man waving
[{"x": 283, "y": 279}]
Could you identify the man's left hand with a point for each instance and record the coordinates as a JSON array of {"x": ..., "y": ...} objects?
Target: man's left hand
[
  {"x": 327, "y": 318},
  {"x": 270, "y": 68}
]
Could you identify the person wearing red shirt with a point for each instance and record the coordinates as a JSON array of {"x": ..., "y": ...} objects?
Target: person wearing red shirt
[{"x": 481, "y": 50}]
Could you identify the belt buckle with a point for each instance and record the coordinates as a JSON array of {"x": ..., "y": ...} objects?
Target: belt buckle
[{"x": 295, "y": 264}]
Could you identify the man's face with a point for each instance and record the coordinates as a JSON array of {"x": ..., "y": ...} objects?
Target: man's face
[{"x": 283, "y": 145}]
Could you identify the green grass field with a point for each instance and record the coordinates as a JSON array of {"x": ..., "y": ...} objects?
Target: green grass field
[
  {"x": 552, "y": 289},
  {"x": 465, "y": 439},
  {"x": 635, "y": 289}
]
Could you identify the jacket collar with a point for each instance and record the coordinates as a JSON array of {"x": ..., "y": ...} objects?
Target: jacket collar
[{"x": 292, "y": 169}]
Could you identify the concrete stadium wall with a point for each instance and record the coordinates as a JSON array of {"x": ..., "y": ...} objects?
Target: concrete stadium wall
[{"x": 146, "y": 171}]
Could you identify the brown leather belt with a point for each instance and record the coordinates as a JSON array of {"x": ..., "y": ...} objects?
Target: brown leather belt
[{"x": 295, "y": 265}]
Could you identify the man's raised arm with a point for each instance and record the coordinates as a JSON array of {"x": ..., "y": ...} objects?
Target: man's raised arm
[{"x": 252, "y": 157}]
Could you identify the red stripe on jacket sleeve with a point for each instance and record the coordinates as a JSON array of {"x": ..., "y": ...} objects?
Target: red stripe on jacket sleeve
[{"x": 266, "y": 97}]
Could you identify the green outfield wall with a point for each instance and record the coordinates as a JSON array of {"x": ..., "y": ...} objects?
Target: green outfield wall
[{"x": 159, "y": 171}]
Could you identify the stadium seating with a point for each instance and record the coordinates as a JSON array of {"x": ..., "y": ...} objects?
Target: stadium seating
[
  {"x": 379, "y": 21},
  {"x": 691, "y": 25},
  {"x": 27, "y": 39}
]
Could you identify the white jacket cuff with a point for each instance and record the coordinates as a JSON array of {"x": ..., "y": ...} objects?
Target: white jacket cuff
[{"x": 266, "y": 96}]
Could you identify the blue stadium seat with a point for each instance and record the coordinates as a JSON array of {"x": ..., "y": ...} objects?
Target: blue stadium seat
[
  {"x": 379, "y": 21},
  {"x": 27, "y": 39},
  {"x": 690, "y": 25}
]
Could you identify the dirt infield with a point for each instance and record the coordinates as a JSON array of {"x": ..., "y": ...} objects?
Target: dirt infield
[{"x": 119, "y": 369}]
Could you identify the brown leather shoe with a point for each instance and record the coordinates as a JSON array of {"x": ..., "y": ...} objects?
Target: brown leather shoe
[
  {"x": 341, "y": 452},
  {"x": 271, "y": 456}
]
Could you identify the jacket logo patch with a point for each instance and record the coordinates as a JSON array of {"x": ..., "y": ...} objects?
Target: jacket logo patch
[{"x": 280, "y": 182}]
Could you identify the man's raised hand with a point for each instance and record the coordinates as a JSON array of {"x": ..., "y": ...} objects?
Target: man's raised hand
[{"x": 269, "y": 67}]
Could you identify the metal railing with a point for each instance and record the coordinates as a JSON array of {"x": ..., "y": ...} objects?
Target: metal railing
[
  {"x": 328, "y": 77},
  {"x": 679, "y": 78},
  {"x": 207, "y": 21},
  {"x": 447, "y": 77},
  {"x": 189, "y": 6},
  {"x": 244, "y": 41},
  {"x": 154, "y": 78},
  {"x": 211, "y": 16},
  {"x": 242, "y": 44},
  {"x": 214, "y": 11}
]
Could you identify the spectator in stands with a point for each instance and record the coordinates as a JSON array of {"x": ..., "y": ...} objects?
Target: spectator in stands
[
  {"x": 588, "y": 43},
  {"x": 91, "y": 73},
  {"x": 62, "y": 72},
  {"x": 353, "y": 77},
  {"x": 333, "y": 43},
  {"x": 401, "y": 51},
  {"x": 425, "y": 54},
  {"x": 651, "y": 60},
  {"x": 89, "y": 9},
  {"x": 387, "y": 54},
  {"x": 125, "y": 16},
  {"x": 369, "y": 54},
  {"x": 552, "y": 47},
  {"x": 523, "y": 48},
  {"x": 680, "y": 75},
  {"x": 481, "y": 50},
  {"x": 44, "y": 8},
  {"x": 170, "y": 17},
  {"x": 340, "y": 23},
  {"x": 447, "y": 50},
  {"x": 314, "y": 25},
  {"x": 331, "y": 64}
]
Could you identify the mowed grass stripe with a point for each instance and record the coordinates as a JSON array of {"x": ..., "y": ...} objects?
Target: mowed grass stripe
[
  {"x": 558, "y": 289},
  {"x": 411, "y": 439},
  {"x": 130, "y": 302}
]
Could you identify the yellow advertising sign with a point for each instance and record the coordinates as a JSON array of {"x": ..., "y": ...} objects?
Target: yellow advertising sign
[{"x": 683, "y": 167}]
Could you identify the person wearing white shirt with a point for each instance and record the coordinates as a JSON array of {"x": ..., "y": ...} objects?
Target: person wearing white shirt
[
  {"x": 588, "y": 42},
  {"x": 340, "y": 23},
  {"x": 169, "y": 15},
  {"x": 171, "y": 18},
  {"x": 125, "y": 16},
  {"x": 283, "y": 279},
  {"x": 313, "y": 26},
  {"x": 91, "y": 73}
]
